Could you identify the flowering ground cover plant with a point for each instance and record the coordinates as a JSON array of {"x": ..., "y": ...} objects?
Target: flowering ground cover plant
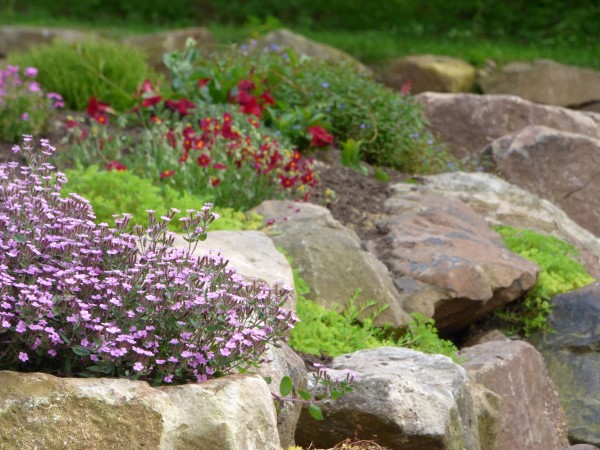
[
  {"x": 24, "y": 107},
  {"x": 82, "y": 299}
]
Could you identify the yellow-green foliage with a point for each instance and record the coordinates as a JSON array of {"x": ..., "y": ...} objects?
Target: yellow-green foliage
[
  {"x": 116, "y": 192},
  {"x": 559, "y": 272}
]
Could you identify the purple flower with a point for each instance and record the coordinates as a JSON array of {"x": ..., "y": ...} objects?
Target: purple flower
[
  {"x": 25, "y": 116},
  {"x": 23, "y": 356},
  {"x": 34, "y": 86},
  {"x": 138, "y": 367},
  {"x": 31, "y": 72}
]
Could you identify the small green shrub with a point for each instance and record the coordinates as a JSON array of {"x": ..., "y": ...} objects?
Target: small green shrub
[
  {"x": 115, "y": 192},
  {"x": 110, "y": 71},
  {"x": 559, "y": 272}
]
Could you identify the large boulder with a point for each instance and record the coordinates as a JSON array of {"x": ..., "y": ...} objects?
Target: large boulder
[
  {"x": 556, "y": 165},
  {"x": 572, "y": 356},
  {"x": 502, "y": 203},
  {"x": 430, "y": 73},
  {"x": 401, "y": 399},
  {"x": 21, "y": 38},
  {"x": 543, "y": 81},
  {"x": 469, "y": 122},
  {"x": 252, "y": 254},
  {"x": 531, "y": 417},
  {"x": 445, "y": 260},
  {"x": 157, "y": 44},
  {"x": 283, "y": 38},
  {"x": 330, "y": 259},
  {"x": 42, "y": 411}
]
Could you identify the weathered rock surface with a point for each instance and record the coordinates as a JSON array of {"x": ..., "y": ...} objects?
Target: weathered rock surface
[
  {"x": 402, "y": 399},
  {"x": 21, "y": 38},
  {"x": 42, "y": 411},
  {"x": 330, "y": 259},
  {"x": 573, "y": 359},
  {"x": 281, "y": 39},
  {"x": 559, "y": 166},
  {"x": 252, "y": 253},
  {"x": 544, "y": 81},
  {"x": 531, "y": 417},
  {"x": 430, "y": 73},
  {"x": 502, "y": 203},
  {"x": 284, "y": 361},
  {"x": 445, "y": 260},
  {"x": 157, "y": 44},
  {"x": 469, "y": 122}
]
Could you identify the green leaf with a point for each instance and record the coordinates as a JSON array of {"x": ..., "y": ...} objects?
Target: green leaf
[
  {"x": 305, "y": 395},
  {"x": 20, "y": 237},
  {"x": 80, "y": 351},
  {"x": 335, "y": 395},
  {"x": 315, "y": 412},
  {"x": 268, "y": 379},
  {"x": 285, "y": 387}
]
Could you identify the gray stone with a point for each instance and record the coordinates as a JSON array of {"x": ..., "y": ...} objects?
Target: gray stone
[
  {"x": 41, "y": 411},
  {"x": 572, "y": 357},
  {"x": 21, "y": 38},
  {"x": 401, "y": 399},
  {"x": 543, "y": 81},
  {"x": 430, "y": 73},
  {"x": 556, "y": 165},
  {"x": 531, "y": 416},
  {"x": 330, "y": 259},
  {"x": 502, "y": 203},
  {"x": 445, "y": 260},
  {"x": 469, "y": 122}
]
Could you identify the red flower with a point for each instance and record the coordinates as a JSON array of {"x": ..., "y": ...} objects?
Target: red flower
[
  {"x": 203, "y": 160},
  {"x": 268, "y": 98},
  {"x": 219, "y": 166},
  {"x": 199, "y": 145},
  {"x": 166, "y": 174},
  {"x": 252, "y": 121},
  {"x": 203, "y": 82},
  {"x": 320, "y": 137},
  {"x": 249, "y": 104},
  {"x": 94, "y": 107},
  {"x": 151, "y": 101},
  {"x": 72, "y": 123},
  {"x": 215, "y": 181},
  {"x": 146, "y": 87},
  {"x": 288, "y": 182},
  {"x": 309, "y": 178},
  {"x": 171, "y": 138},
  {"x": 116, "y": 165},
  {"x": 101, "y": 119},
  {"x": 182, "y": 106},
  {"x": 246, "y": 85},
  {"x": 406, "y": 87}
]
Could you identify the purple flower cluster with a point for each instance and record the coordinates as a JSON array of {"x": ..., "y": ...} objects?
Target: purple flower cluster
[
  {"x": 10, "y": 80},
  {"x": 82, "y": 298}
]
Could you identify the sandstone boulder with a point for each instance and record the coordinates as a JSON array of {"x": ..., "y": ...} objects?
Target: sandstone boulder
[
  {"x": 42, "y": 411},
  {"x": 572, "y": 357},
  {"x": 281, "y": 39},
  {"x": 469, "y": 122},
  {"x": 252, "y": 254},
  {"x": 556, "y": 165},
  {"x": 21, "y": 38},
  {"x": 501, "y": 203},
  {"x": 430, "y": 73},
  {"x": 402, "y": 399},
  {"x": 543, "y": 81},
  {"x": 445, "y": 260},
  {"x": 531, "y": 416},
  {"x": 330, "y": 259}
]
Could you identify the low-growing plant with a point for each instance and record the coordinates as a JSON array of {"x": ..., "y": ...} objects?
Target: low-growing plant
[
  {"x": 119, "y": 191},
  {"x": 559, "y": 272},
  {"x": 422, "y": 335},
  {"x": 89, "y": 300},
  {"x": 107, "y": 70},
  {"x": 24, "y": 107}
]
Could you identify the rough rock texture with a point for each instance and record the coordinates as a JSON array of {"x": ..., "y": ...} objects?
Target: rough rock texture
[
  {"x": 486, "y": 405},
  {"x": 573, "y": 359},
  {"x": 445, "y": 260},
  {"x": 544, "y": 81},
  {"x": 156, "y": 44},
  {"x": 531, "y": 416},
  {"x": 501, "y": 203},
  {"x": 283, "y": 38},
  {"x": 330, "y": 258},
  {"x": 21, "y": 38},
  {"x": 582, "y": 447},
  {"x": 402, "y": 399},
  {"x": 430, "y": 73},
  {"x": 559, "y": 166},
  {"x": 252, "y": 253},
  {"x": 42, "y": 411},
  {"x": 469, "y": 122},
  {"x": 284, "y": 361}
]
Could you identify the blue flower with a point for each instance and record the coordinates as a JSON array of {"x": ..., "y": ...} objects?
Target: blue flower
[{"x": 325, "y": 84}]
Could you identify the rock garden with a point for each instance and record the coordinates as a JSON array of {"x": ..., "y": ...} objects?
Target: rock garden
[{"x": 273, "y": 245}]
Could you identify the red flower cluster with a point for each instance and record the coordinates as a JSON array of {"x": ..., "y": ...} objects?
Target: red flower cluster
[
  {"x": 116, "y": 165},
  {"x": 97, "y": 110},
  {"x": 249, "y": 102},
  {"x": 320, "y": 137}
]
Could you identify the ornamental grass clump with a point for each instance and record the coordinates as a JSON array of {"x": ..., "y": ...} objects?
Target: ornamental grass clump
[{"x": 77, "y": 298}]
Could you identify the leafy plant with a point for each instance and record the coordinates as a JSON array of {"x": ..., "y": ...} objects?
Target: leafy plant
[
  {"x": 103, "y": 69},
  {"x": 422, "y": 335},
  {"x": 24, "y": 108},
  {"x": 115, "y": 191},
  {"x": 84, "y": 299},
  {"x": 559, "y": 272}
]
